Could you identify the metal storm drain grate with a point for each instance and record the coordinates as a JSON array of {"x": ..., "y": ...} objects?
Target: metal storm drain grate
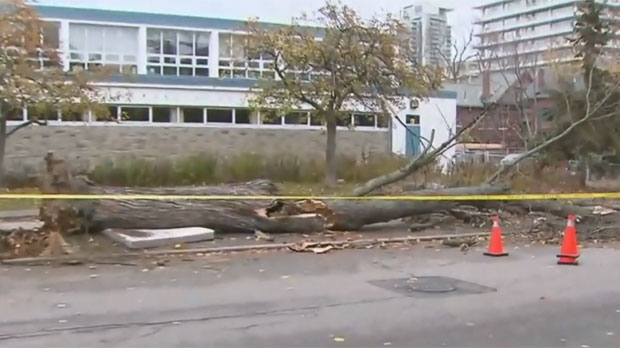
[{"x": 431, "y": 286}]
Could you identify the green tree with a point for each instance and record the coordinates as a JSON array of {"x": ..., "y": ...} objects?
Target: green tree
[
  {"x": 32, "y": 76},
  {"x": 586, "y": 119},
  {"x": 341, "y": 62},
  {"x": 591, "y": 33}
]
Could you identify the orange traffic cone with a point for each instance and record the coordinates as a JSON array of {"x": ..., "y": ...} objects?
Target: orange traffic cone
[
  {"x": 496, "y": 245},
  {"x": 569, "y": 251}
]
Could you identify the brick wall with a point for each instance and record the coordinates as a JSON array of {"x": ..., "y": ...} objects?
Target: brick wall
[
  {"x": 87, "y": 146},
  {"x": 503, "y": 123}
]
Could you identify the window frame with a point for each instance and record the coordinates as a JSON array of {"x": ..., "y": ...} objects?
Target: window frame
[
  {"x": 169, "y": 64},
  {"x": 85, "y": 57}
]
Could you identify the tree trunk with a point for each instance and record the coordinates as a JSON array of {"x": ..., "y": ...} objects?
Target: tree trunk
[
  {"x": 331, "y": 174},
  {"x": 224, "y": 216},
  {"x": 258, "y": 187},
  {"x": 245, "y": 216},
  {"x": 353, "y": 215},
  {"x": 3, "y": 137}
]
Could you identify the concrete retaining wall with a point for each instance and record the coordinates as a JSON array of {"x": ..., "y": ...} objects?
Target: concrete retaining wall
[{"x": 89, "y": 145}]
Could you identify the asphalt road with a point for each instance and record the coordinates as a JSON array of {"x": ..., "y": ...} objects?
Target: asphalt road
[{"x": 332, "y": 300}]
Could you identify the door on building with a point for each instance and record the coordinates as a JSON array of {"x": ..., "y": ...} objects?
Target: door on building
[{"x": 412, "y": 148}]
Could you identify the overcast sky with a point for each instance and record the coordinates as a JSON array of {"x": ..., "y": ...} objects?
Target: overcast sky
[{"x": 269, "y": 10}]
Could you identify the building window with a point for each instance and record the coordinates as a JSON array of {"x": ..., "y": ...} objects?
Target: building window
[
  {"x": 48, "y": 54},
  {"x": 18, "y": 115},
  {"x": 270, "y": 117},
  {"x": 70, "y": 113},
  {"x": 112, "y": 114},
  {"x": 243, "y": 116},
  {"x": 220, "y": 116},
  {"x": 343, "y": 121},
  {"x": 363, "y": 120},
  {"x": 315, "y": 120},
  {"x": 91, "y": 46},
  {"x": 383, "y": 121},
  {"x": 134, "y": 114},
  {"x": 38, "y": 112},
  {"x": 297, "y": 117},
  {"x": 161, "y": 115},
  {"x": 193, "y": 115},
  {"x": 178, "y": 53},
  {"x": 235, "y": 62}
]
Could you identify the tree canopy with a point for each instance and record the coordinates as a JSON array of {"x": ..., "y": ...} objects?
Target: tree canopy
[
  {"x": 333, "y": 62},
  {"x": 31, "y": 70},
  {"x": 594, "y": 94},
  {"x": 32, "y": 74}
]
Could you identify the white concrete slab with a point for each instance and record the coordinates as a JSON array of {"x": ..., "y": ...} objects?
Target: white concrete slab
[{"x": 144, "y": 239}]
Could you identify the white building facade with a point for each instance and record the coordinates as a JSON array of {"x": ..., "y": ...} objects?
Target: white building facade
[
  {"x": 524, "y": 32},
  {"x": 189, "y": 72},
  {"x": 432, "y": 35}
]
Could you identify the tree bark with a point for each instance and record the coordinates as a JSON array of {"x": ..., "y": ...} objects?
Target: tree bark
[
  {"x": 331, "y": 175},
  {"x": 353, "y": 215},
  {"x": 246, "y": 216},
  {"x": 3, "y": 137},
  {"x": 559, "y": 209},
  {"x": 224, "y": 216},
  {"x": 220, "y": 215},
  {"x": 258, "y": 187}
]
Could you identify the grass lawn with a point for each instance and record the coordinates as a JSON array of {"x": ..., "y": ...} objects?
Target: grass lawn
[{"x": 288, "y": 189}]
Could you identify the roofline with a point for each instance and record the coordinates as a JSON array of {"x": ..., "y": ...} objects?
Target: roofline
[
  {"x": 211, "y": 83},
  {"x": 523, "y": 12},
  {"x": 149, "y": 18},
  {"x": 488, "y": 4}
]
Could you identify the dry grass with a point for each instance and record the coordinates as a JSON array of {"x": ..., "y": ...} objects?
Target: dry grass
[
  {"x": 212, "y": 169},
  {"x": 304, "y": 177},
  {"x": 18, "y": 203}
]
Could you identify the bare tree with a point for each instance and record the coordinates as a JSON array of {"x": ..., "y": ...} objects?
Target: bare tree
[
  {"x": 457, "y": 63},
  {"x": 520, "y": 97},
  {"x": 597, "y": 106},
  {"x": 329, "y": 75}
]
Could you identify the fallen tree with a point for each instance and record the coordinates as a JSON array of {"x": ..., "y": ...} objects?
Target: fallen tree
[
  {"x": 267, "y": 216},
  {"x": 225, "y": 216}
]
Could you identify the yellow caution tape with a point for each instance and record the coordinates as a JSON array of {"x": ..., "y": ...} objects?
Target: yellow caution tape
[{"x": 509, "y": 197}]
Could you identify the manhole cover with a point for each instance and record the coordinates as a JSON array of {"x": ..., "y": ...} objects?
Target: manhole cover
[{"x": 431, "y": 284}]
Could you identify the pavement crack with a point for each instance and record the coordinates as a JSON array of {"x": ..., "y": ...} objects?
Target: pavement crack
[
  {"x": 105, "y": 327},
  {"x": 257, "y": 325}
]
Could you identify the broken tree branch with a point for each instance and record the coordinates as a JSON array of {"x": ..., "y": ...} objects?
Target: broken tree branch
[
  {"x": 24, "y": 125},
  {"x": 427, "y": 157}
]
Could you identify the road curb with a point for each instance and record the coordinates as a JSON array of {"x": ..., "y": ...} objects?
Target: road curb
[{"x": 68, "y": 260}]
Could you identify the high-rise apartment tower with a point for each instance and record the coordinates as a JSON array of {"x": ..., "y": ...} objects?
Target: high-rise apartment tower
[
  {"x": 432, "y": 36},
  {"x": 528, "y": 32}
]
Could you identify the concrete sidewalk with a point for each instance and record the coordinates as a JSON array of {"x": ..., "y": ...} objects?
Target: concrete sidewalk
[{"x": 332, "y": 300}]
